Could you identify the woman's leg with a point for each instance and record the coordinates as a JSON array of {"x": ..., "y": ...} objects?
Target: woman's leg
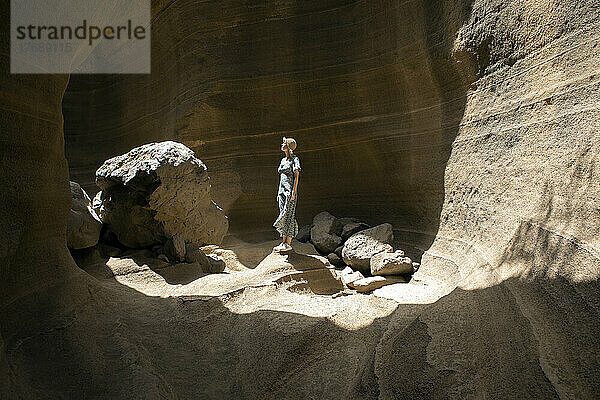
[{"x": 291, "y": 221}]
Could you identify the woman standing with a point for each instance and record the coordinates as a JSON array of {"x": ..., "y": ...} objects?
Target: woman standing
[{"x": 289, "y": 173}]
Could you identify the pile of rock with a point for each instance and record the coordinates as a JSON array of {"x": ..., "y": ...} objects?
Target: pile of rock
[{"x": 366, "y": 252}]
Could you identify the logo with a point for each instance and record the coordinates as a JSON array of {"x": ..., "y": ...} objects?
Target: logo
[{"x": 80, "y": 36}]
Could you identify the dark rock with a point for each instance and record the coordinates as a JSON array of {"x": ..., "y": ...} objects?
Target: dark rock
[
  {"x": 351, "y": 228},
  {"x": 334, "y": 259},
  {"x": 175, "y": 248},
  {"x": 217, "y": 264},
  {"x": 338, "y": 250},
  {"x": 324, "y": 233},
  {"x": 303, "y": 234}
]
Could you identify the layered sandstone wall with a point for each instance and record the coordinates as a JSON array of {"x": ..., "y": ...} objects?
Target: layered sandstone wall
[{"x": 370, "y": 90}]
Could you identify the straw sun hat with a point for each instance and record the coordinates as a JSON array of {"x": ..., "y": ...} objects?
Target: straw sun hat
[{"x": 290, "y": 142}]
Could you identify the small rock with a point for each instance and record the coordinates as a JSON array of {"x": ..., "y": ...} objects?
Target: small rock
[
  {"x": 334, "y": 259},
  {"x": 345, "y": 292},
  {"x": 193, "y": 254},
  {"x": 175, "y": 248},
  {"x": 326, "y": 243},
  {"x": 348, "y": 275},
  {"x": 375, "y": 282},
  {"x": 351, "y": 228},
  {"x": 327, "y": 221},
  {"x": 338, "y": 251},
  {"x": 217, "y": 264},
  {"x": 391, "y": 263},
  {"x": 163, "y": 257},
  {"x": 415, "y": 266}
]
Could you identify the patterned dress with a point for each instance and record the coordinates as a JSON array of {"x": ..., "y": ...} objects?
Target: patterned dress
[{"x": 286, "y": 223}]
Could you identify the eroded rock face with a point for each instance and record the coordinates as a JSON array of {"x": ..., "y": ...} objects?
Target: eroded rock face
[
  {"x": 156, "y": 191},
  {"x": 83, "y": 225}
]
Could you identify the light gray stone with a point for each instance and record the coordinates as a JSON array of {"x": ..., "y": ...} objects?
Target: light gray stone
[
  {"x": 83, "y": 225},
  {"x": 390, "y": 263},
  {"x": 348, "y": 275}
]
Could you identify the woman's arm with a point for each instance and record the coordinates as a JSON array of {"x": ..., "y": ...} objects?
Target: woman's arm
[{"x": 296, "y": 177}]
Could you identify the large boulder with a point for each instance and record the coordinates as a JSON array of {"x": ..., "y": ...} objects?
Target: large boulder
[
  {"x": 391, "y": 263},
  {"x": 83, "y": 225},
  {"x": 325, "y": 232},
  {"x": 360, "y": 247},
  {"x": 156, "y": 191}
]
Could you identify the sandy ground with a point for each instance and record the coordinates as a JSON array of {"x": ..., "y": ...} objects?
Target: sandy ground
[{"x": 306, "y": 280}]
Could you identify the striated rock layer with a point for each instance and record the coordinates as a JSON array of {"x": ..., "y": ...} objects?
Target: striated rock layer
[{"x": 471, "y": 126}]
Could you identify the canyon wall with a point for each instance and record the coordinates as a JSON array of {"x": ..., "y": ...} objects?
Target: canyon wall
[
  {"x": 471, "y": 126},
  {"x": 371, "y": 91}
]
